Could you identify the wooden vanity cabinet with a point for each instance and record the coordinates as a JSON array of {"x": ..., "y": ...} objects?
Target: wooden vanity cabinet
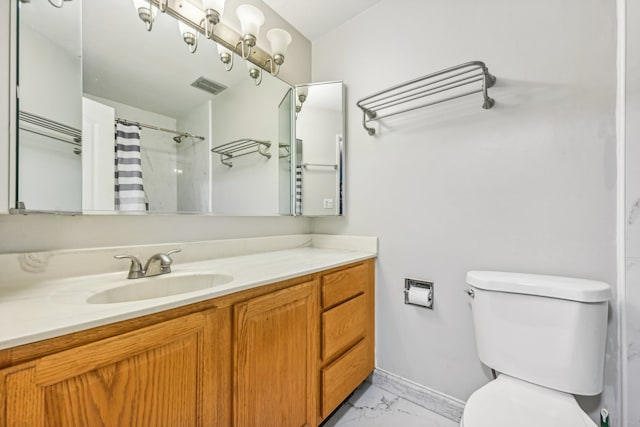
[
  {"x": 347, "y": 332},
  {"x": 275, "y": 352},
  {"x": 160, "y": 375},
  {"x": 280, "y": 355}
]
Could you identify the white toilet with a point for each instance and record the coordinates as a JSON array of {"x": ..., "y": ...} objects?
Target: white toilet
[{"x": 546, "y": 336}]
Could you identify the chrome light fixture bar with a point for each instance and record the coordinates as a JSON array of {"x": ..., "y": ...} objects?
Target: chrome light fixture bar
[{"x": 229, "y": 40}]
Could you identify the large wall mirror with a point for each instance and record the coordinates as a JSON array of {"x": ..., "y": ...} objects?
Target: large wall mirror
[{"x": 116, "y": 119}]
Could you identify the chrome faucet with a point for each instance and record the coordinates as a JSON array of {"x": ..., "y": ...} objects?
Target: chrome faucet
[{"x": 159, "y": 263}]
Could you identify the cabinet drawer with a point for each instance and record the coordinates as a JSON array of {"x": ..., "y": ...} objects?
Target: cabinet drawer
[
  {"x": 341, "y": 377},
  {"x": 343, "y": 325},
  {"x": 343, "y": 284}
]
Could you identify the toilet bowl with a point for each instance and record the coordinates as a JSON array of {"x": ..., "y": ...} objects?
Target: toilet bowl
[
  {"x": 546, "y": 335},
  {"x": 510, "y": 402}
]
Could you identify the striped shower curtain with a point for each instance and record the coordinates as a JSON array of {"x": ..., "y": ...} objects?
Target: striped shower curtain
[
  {"x": 129, "y": 188},
  {"x": 298, "y": 206}
]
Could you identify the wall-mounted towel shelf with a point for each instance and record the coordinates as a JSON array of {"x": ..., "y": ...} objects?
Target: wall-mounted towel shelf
[
  {"x": 60, "y": 131},
  {"x": 436, "y": 87},
  {"x": 284, "y": 151},
  {"x": 320, "y": 165},
  {"x": 239, "y": 148}
]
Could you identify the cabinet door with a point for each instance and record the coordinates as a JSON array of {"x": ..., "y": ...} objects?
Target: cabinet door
[
  {"x": 276, "y": 348},
  {"x": 156, "y": 376}
]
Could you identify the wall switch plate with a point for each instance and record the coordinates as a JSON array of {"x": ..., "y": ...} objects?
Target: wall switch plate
[{"x": 327, "y": 203}]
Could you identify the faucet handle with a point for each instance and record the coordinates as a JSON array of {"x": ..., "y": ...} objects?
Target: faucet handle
[
  {"x": 135, "y": 269},
  {"x": 173, "y": 251}
]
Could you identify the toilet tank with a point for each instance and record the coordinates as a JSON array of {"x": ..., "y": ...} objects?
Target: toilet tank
[{"x": 546, "y": 330}]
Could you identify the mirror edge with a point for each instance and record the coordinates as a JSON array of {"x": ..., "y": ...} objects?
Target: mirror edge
[{"x": 8, "y": 183}]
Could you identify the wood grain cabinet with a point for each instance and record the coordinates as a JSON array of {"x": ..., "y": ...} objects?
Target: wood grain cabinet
[
  {"x": 275, "y": 354},
  {"x": 280, "y": 355},
  {"x": 156, "y": 376},
  {"x": 347, "y": 333}
]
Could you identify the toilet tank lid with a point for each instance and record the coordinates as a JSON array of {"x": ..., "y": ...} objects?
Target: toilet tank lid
[{"x": 535, "y": 284}]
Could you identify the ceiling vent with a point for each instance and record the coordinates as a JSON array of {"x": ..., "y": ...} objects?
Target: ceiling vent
[{"x": 208, "y": 85}]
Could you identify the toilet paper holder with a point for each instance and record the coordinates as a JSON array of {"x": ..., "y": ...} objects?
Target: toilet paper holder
[{"x": 418, "y": 292}]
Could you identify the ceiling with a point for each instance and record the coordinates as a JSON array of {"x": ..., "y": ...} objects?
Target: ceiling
[{"x": 315, "y": 18}]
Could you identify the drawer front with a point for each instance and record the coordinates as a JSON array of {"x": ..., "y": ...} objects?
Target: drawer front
[
  {"x": 341, "y": 377},
  {"x": 343, "y": 325},
  {"x": 344, "y": 284}
]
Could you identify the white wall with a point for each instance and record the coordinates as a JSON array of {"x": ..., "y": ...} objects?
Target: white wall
[
  {"x": 194, "y": 161},
  {"x": 527, "y": 186},
  {"x": 633, "y": 210},
  {"x": 158, "y": 154},
  {"x": 250, "y": 187}
]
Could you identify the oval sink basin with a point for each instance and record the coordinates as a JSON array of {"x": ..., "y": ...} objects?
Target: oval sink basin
[{"x": 158, "y": 287}]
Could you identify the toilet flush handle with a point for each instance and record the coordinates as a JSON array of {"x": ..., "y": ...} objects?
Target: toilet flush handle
[{"x": 470, "y": 292}]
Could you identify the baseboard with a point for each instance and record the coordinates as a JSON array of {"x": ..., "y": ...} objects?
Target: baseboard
[{"x": 432, "y": 400}]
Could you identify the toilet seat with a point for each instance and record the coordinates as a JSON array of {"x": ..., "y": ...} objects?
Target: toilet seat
[{"x": 510, "y": 402}]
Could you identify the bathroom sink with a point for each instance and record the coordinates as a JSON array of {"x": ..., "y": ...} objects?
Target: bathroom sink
[{"x": 158, "y": 287}]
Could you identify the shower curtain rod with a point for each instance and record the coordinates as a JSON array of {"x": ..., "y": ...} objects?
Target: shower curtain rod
[{"x": 176, "y": 139}]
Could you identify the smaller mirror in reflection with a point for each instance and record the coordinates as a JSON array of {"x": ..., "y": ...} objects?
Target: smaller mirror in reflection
[{"x": 319, "y": 149}]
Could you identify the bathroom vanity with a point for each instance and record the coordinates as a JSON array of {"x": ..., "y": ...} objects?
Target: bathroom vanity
[{"x": 284, "y": 353}]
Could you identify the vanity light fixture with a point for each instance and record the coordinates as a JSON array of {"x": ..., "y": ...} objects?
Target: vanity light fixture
[
  {"x": 226, "y": 56},
  {"x": 279, "y": 40},
  {"x": 189, "y": 35},
  {"x": 146, "y": 11},
  {"x": 251, "y": 19},
  {"x": 202, "y": 16},
  {"x": 213, "y": 10},
  {"x": 301, "y": 94}
]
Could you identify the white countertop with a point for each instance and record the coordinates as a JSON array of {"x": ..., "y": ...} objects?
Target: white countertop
[{"x": 52, "y": 308}]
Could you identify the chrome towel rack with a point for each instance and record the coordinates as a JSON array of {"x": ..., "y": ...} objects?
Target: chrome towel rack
[
  {"x": 320, "y": 165},
  {"x": 241, "y": 147},
  {"x": 61, "y": 130},
  {"x": 408, "y": 96}
]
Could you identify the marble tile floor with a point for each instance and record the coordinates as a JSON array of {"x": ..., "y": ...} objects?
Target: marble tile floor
[{"x": 371, "y": 406}]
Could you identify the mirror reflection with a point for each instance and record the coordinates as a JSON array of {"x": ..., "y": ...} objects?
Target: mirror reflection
[
  {"x": 131, "y": 121},
  {"x": 320, "y": 149},
  {"x": 49, "y": 106}
]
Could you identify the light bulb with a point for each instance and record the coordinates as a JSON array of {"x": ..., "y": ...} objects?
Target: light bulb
[
  {"x": 251, "y": 19},
  {"x": 301, "y": 93},
  {"x": 217, "y": 5},
  {"x": 280, "y": 41}
]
